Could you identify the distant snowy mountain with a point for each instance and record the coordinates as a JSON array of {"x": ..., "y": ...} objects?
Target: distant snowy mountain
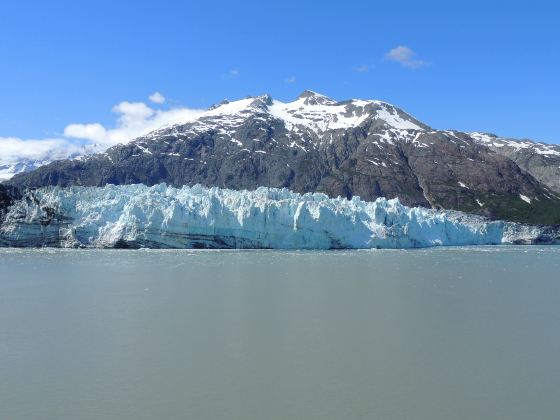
[
  {"x": 13, "y": 167},
  {"x": 365, "y": 148},
  {"x": 16, "y": 164}
]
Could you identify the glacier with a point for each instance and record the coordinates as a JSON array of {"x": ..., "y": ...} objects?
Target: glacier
[{"x": 160, "y": 216}]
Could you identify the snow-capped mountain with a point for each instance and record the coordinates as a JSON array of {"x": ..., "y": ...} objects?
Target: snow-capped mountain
[{"x": 363, "y": 148}]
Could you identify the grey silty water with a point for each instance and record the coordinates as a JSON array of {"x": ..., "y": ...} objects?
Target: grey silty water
[{"x": 445, "y": 333}]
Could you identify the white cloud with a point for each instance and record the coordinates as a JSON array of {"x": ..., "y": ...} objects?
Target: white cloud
[
  {"x": 291, "y": 79},
  {"x": 406, "y": 57},
  {"x": 12, "y": 147},
  {"x": 17, "y": 155},
  {"x": 157, "y": 98},
  {"x": 135, "y": 119},
  {"x": 363, "y": 68},
  {"x": 94, "y": 132}
]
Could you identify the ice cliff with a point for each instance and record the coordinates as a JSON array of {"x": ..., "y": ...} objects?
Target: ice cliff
[{"x": 197, "y": 217}]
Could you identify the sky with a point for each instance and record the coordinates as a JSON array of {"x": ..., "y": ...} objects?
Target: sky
[{"x": 103, "y": 71}]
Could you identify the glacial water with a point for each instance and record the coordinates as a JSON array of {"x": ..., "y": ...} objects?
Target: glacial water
[{"x": 442, "y": 333}]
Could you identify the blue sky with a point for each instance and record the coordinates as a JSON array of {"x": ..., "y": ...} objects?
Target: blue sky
[{"x": 464, "y": 65}]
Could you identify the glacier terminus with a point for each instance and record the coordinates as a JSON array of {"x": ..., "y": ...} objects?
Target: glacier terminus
[{"x": 162, "y": 216}]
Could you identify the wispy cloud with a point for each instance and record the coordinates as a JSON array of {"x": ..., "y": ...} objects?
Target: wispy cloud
[
  {"x": 231, "y": 74},
  {"x": 364, "y": 68},
  {"x": 157, "y": 98},
  {"x": 291, "y": 79},
  {"x": 406, "y": 57}
]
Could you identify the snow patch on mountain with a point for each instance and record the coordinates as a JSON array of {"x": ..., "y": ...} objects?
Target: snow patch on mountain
[
  {"x": 517, "y": 145},
  {"x": 310, "y": 111},
  {"x": 525, "y": 198}
]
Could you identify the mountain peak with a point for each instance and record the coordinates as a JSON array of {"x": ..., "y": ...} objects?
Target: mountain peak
[
  {"x": 217, "y": 105},
  {"x": 313, "y": 98},
  {"x": 307, "y": 93},
  {"x": 262, "y": 100}
]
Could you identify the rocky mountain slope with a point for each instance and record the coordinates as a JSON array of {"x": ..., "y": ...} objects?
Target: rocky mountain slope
[
  {"x": 7, "y": 196},
  {"x": 539, "y": 159},
  {"x": 351, "y": 148}
]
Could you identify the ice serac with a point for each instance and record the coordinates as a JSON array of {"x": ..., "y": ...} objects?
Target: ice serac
[{"x": 197, "y": 217}]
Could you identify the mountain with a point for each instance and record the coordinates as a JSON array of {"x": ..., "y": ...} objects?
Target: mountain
[
  {"x": 134, "y": 216},
  {"x": 539, "y": 159},
  {"x": 365, "y": 148}
]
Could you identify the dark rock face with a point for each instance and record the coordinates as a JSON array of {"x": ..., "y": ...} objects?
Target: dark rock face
[
  {"x": 539, "y": 159},
  {"x": 7, "y": 196},
  {"x": 365, "y": 148}
]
